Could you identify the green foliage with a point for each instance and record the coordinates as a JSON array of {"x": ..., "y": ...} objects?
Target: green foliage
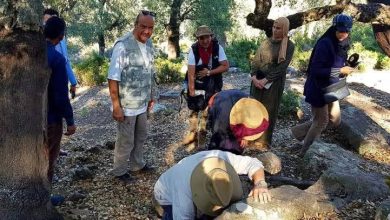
[
  {"x": 239, "y": 52},
  {"x": 93, "y": 70},
  {"x": 300, "y": 60},
  {"x": 290, "y": 104},
  {"x": 216, "y": 14},
  {"x": 169, "y": 71},
  {"x": 383, "y": 63},
  {"x": 363, "y": 33}
]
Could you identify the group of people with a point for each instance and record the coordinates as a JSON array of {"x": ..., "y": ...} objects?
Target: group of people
[{"x": 203, "y": 184}]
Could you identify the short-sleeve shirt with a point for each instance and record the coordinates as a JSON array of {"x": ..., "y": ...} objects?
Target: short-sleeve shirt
[
  {"x": 173, "y": 186},
  {"x": 116, "y": 67}
]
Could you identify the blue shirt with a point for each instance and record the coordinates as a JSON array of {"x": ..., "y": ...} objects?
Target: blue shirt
[
  {"x": 62, "y": 49},
  {"x": 58, "y": 100},
  {"x": 323, "y": 60}
]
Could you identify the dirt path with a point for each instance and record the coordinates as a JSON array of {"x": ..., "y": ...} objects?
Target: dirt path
[{"x": 91, "y": 147}]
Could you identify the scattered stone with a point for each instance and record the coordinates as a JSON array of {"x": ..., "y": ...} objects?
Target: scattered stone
[
  {"x": 76, "y": 196},
  {"x": 272, "y": 163},
  {"x": 110, "y": 145},
  {"x": 383, "y": 211},
  {"x": 95, "y": 149},
  {"x": 82, "y": 173}
]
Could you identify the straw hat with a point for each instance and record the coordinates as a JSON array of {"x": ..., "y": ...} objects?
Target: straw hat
[
  {"x": 214, "y": 185},
  {"x": 248, "y": 119},
  {"x": 202, "y": 31}
]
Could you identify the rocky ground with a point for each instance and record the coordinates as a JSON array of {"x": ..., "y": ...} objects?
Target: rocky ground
[{"x": 92, "y": 193}]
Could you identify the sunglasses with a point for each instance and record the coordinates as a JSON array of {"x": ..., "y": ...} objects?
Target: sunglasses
[{"x": 146, "y": 12}]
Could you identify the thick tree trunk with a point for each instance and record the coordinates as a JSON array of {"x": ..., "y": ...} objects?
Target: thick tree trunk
[
  {"x": 102, "y": 44},
  {"x": 173, "y": 30},
  {"x": 382, "y": 32},
  {"x": 24, "y": 188}
]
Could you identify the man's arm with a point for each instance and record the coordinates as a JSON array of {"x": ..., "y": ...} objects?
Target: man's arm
[
  {"x": 255, "y": 170},
  {"x": 259, "y": 191},
  {"x": 117, "y": 112}
]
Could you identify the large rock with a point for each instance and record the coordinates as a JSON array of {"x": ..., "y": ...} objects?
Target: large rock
[
  {"x": 272, "y": 163},
  {"x": 383, "y": 211},
  {"x": 343, "y": 178},
  {"x": 364, "y": 135},
  {"x": 322, "y": 156},
  {"x": 288, "y": 202}
]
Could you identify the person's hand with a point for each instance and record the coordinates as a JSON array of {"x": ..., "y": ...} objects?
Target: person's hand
[
  {"x": 262, "y": 82},
  {"x": 72, "y": 91},
  {"x": 346, "y": 70},
  {"x": 257, "y": 83},
  {"x": 202, "y": 73},
  {"x": 243, "y": 143},
  {"x": 260, "y": 194},
  {"x": 70, "y": 130},
  {"x": 118, "y": 115},
  {"x": 150, "y": 105}
]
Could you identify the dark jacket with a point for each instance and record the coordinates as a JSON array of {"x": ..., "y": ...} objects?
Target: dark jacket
[
  {"x": 218, "y": 118},
  {"x": 58, "y": 100},
  {"x": 324, "y": 57}
]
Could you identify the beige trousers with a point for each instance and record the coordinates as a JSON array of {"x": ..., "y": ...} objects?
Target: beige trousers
[{"x": 324, "y": 117}]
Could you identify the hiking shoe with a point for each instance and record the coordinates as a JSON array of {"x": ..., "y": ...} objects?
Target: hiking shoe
[
  {"x": 146, "y": 169},
  {"x": 57, "y": 200},
  {"x": 125, "y": 178}
]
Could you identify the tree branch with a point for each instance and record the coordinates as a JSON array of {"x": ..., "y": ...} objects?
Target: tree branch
[{"x": 367, "y": 13}]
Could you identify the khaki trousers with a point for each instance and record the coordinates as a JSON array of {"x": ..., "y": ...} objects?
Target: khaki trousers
[
  {"x": 131, "y": 136},
  {"x": 324, "y": 117}
]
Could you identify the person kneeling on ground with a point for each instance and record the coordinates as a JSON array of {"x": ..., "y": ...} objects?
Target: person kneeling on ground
[
  {"x": 235, "y": 119},
  {"x": 205, "y": 183}
]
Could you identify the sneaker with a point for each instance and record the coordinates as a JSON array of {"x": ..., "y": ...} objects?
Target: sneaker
[
  {"x": 57, "y": 200},
  {"x": 125, "y": 178}
]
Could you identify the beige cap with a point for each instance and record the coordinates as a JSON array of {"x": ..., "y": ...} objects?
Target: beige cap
[{"x": 202, "y": 31}]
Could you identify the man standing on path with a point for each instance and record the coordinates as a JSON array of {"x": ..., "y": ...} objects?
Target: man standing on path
[
  {"x": 130, "y": 81},
  {"x": 58, "y": 104},
  {"x": 62, "y": 49}
]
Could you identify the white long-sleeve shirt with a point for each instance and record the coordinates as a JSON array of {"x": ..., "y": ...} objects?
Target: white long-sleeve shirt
[{"x": 173, "y": 187}]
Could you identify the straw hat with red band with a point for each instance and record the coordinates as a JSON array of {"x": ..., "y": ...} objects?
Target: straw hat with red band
[
  {"x": 214, "y": 185},
  {"x": 248, "y": 119}
]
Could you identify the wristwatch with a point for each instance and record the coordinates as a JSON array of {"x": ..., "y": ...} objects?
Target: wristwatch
[
  {"x": 261, "y": 184},
  {"x": 208, "y": 73}
]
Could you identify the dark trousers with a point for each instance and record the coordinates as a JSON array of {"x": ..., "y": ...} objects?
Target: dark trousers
[
  {"x": 54, "y": 135},
  {"x": 167, "y": 215}
]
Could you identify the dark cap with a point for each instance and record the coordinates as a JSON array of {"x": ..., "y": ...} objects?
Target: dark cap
[{"x": 342, "y": 23}]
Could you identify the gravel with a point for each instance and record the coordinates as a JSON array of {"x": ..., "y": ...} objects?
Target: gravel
[{"x": 90, "y": 150}]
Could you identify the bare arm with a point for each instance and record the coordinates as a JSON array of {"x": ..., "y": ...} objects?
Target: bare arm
[
  {"x": 117, "y": 112},
  {"x": 260, "y": 190}
]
